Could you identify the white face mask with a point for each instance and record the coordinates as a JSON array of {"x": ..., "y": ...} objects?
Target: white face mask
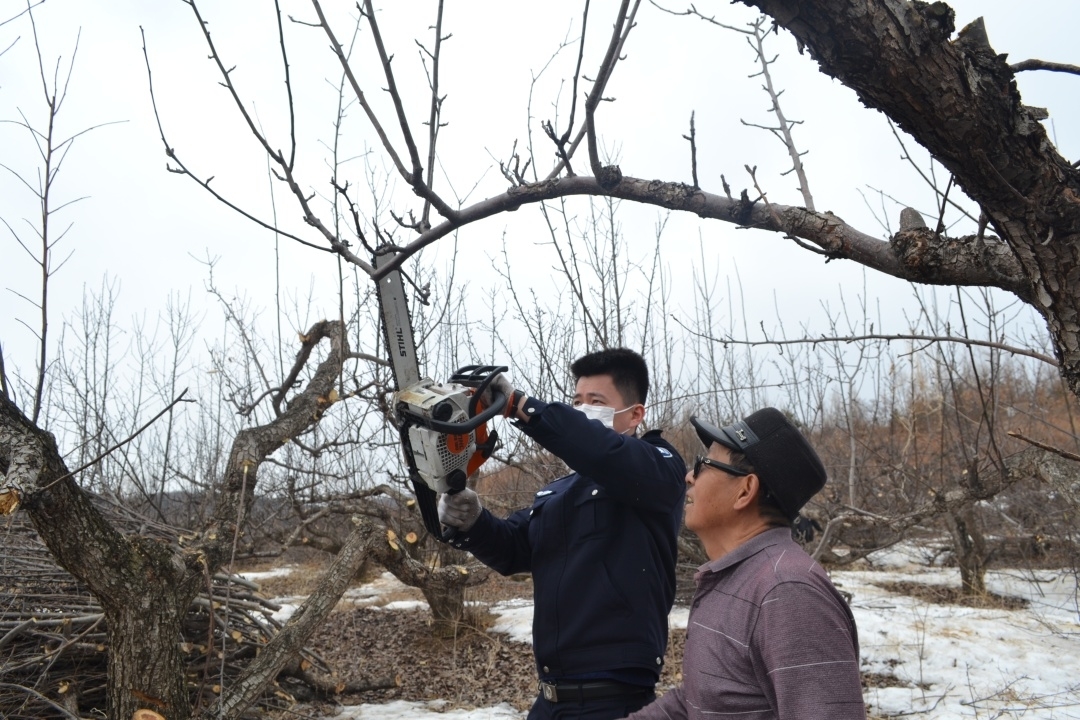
[{"x": 603, "y": 413}]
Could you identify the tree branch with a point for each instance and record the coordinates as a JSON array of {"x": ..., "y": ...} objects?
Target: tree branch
[
  {"x": 273, "y": 656},
  {"x": 945, "y": 261},
  {"x": 969, "y": 342},
  {"x": 1044, "y": 65}
]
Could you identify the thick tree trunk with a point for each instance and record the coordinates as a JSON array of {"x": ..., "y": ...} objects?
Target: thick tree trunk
[
  {"x": 447, "y": 603},
  {"x": 146, "y": 668},
  {"x": 970, "y": 548},
  {"x": 142, "y": 590}
]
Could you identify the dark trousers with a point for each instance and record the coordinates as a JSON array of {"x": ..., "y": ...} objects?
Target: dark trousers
[{"x": 610, "y": 708}]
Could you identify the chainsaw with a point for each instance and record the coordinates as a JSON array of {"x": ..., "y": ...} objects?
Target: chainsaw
[{"x": 443, "y": 426}]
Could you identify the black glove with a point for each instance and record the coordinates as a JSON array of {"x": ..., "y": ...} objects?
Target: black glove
[
  {"x": 460, "y": 510},
  {"x": 499, "y": 385}
]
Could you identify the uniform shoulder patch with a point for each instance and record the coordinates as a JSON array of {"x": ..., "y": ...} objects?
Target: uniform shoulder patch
[{"x": 665, "y": 452}]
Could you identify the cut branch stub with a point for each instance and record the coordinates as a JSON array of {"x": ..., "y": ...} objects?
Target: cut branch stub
[{"x": 9, "y": 501}]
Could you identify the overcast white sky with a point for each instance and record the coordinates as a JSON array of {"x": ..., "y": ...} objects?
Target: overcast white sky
[{"x": 148, "y": 229}]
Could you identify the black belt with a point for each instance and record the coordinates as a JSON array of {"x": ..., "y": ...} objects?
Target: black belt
[{"x": 579, "y": 692}]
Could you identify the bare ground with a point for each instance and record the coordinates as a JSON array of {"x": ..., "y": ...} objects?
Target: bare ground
[{"x": 470, "y": 668}]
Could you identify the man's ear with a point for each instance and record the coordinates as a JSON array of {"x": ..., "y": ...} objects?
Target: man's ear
[
  {"x": 749, "y": 485},
  {"x": 637, "y": 414}
]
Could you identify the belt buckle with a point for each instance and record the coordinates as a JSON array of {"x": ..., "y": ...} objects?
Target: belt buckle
[{"x": 549, "y": 691}]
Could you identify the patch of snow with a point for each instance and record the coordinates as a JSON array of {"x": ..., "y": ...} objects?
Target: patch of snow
[
  {"x": 287, "y": 609},
  {"x": 403, "y": 710},
  {"x": 514, "y": 619},
  {"x": 372, "y": 594},
  {"x": 961, "y": 662},
  {"x": 266, "y": 574},
  {"x": 678, "y": 618},
  {"x": 402, "y": 605}
]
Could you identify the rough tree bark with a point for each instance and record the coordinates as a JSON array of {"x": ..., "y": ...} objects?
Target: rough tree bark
[
  {"x": 442, "y": 581},
  {"x": 970, "y": 548},
  {"x": 443, "y": 587},
  {"x": 145, "y": 586}
]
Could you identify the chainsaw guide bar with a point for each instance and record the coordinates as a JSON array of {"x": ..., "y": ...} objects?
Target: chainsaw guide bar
[{"x": 443, "y": 426}]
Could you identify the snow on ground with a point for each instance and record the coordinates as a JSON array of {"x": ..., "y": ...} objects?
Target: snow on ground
[
  {"x": 402, "y": 710},
  {"x": 947, "y": 661},
  {"x": 374, "y": 594},
  {"x": 961, "y": 662},
  {"x": 514, "y": 618},
  {"x": 266, "y": 574}
]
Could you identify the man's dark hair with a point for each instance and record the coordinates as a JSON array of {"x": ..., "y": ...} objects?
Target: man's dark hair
[{"x": 626, "y": 368}]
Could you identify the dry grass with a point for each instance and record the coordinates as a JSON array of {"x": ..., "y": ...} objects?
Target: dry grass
[
  {"x": 949, "y": 595},
  {"x": 299, "y": 580}
]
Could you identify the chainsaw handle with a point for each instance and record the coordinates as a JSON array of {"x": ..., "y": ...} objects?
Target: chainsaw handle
[
  {"x": 498, "y": 403},
  {"x": 479, "y": 377}
]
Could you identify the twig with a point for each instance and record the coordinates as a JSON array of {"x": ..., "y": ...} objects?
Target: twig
[
  {"x": 549, "y": 129},
  {"x": 692, "y": 138},
  {"x": 122, "y": 443},
  {"x": 919, "y": 170},
  {"x": 878, "y": 336},
  {"x": 607, "y": 67},
  {"x": 288, "y": 86},
  {"x": 20, "y": 14},
  {"x": 1044, "y": 65},
  {"x": 783, "y": 132},
  {"x": 940, "y": 227},
  {"x": 1049, "y": 448},
  {"x": 434, "y": 115}
]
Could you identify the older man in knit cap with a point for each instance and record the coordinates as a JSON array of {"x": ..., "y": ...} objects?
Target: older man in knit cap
[{"x": 768, "y": 636}]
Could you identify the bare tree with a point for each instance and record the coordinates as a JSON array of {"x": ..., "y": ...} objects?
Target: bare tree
[
  {"x": 954, "y": 96},
  {"x": 994, "y": 148}
]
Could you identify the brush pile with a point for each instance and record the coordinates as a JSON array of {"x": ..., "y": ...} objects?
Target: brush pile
[{"x": 54, "y": 645}]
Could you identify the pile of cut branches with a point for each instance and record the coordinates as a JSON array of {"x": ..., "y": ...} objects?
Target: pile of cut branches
[{"x": 54, "y": 645}]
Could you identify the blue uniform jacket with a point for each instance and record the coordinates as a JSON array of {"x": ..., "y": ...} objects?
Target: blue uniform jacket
[{"x": 600, "y": 544}]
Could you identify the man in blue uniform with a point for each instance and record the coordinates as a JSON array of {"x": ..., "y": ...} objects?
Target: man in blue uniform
[{"x": 600, "y": 542}]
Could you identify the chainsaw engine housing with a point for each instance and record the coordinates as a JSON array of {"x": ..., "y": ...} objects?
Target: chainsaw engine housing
[{"x": 439, "y": 458}]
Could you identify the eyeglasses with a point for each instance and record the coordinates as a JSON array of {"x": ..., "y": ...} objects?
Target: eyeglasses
[{"x": 729, "y": 469}]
